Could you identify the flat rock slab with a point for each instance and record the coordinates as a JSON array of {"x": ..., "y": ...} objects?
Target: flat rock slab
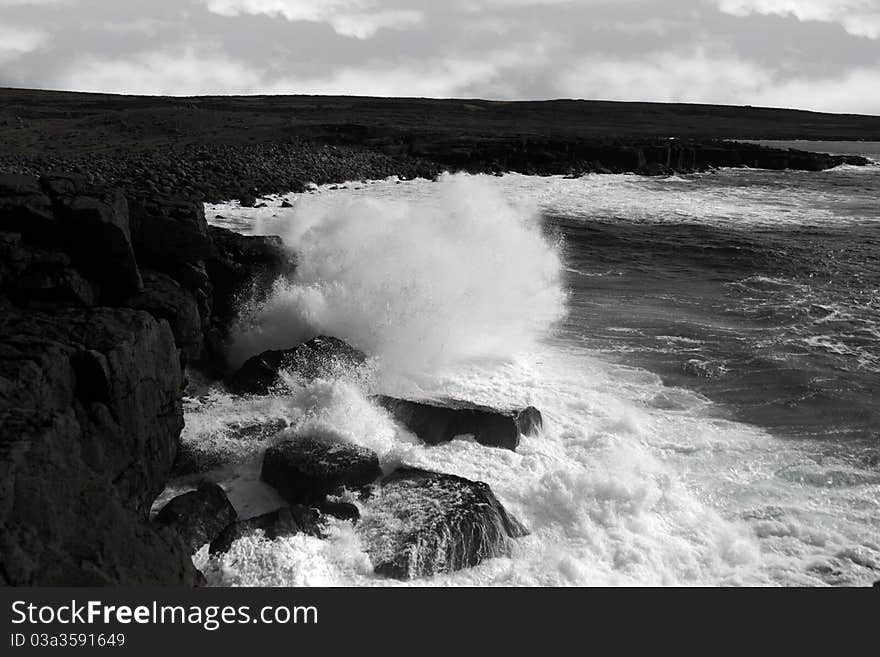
[
  {"x": 421, "y": 523},
  {"x": 319, "y": 357},
  {"x": 198, "y": 516},
  {"x": 305, "y": 470},
  {"x": 440, "y": 422},
  {"x": 286, "y": 521}
]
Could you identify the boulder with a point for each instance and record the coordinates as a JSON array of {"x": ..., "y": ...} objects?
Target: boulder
[
  {"x": 421, "y": 523},
  {"x": 164, "y": 298},
  {"x": 198, "y": 516},
  {"x": 34, "y": 277},
  {"x": 90, "y": 415},
  {"x": 244, "y": 265},
  {"x": 286, "y": 521},
  {"x": 97, "y": 229},
  {"x": 341, "y": 510},
  {"x": 89, "y": 228},
  {"x": 228, "y": 443},
  {"x": 307, "y": 469},
  {"x": 168, "y": 233},
  {"x": 440, "y": 422},
  {"x": 319, "y": 357}
]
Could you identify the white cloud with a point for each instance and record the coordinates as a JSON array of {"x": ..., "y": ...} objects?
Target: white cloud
[
  {"x": 188, "y": 71},
  {"x": 365, "y": 25},
  {"x": 161, "y": 73},
  {"x": 664, "y": 77},
  {"x": 18, "y": 41},
  {"x": 360, "y": 19},
  {"x": 703, "y": 77},
  {"x": 857, "y": 92},
  {"x": 25, "y": 3},
  {"x": 440, "y": 78},
  {"x": 858, "y": 17}
]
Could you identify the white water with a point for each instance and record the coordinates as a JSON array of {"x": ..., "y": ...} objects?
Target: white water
[
  {"x": 461, "y": 276},
  {"x": 632, "y": 482}
]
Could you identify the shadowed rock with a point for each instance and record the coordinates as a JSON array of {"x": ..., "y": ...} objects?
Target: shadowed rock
[
  {"x": 283, "y": 522},
  {"x": 319, "y": 357},
  {"x": 436, "y": 422},
  {"x": 198, "y": 516},
  {"x": 165, "y": 298},
  {"x": 89, "y": 421},
  {"x": 305, "y": 470},
  {"x": 422, "y": 523},
  {"x": 197, "y": 455}
]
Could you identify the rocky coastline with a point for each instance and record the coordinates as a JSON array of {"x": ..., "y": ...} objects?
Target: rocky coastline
[
  {"x": 106, "y": 306},
  {"x": 112, "y": 285}
]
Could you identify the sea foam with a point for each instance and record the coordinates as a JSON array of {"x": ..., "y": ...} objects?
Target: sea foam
[
  {"x": 631, "y": 481},
  {"x": 464, "y": 274}
]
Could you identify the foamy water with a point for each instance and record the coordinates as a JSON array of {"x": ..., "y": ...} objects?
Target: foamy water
[{"x": 454, "y": 289}]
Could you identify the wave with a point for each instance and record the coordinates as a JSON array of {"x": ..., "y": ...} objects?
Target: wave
[
  {"x": 415, "y": 283},
  {"x": 631, "y": 482}
]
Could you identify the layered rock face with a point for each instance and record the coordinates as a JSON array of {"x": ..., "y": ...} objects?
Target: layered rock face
[
  {"x": 98, "y": 315},
  {"x": 89, "y": 421}
]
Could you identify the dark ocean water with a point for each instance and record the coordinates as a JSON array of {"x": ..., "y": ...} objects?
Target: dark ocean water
[{"x": 780, "y": 325}]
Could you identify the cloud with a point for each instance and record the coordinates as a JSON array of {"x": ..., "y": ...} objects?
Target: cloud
[
  {"x": 503, "y": 49},
  {"x": 702, "y": 76},
  {"x": 173, "y": 72},
  {"x": 26, "y": 3},
  {"x": 209, "y": 72},
  {"x": 858, "y": 17},
  {"x": 857, "y": 92},
  {"x": 365, "y": 25},
  {"x": 360, "y": 19},
  {"x": 665, "y": 77},
  {"x": 18, "y": 41}
]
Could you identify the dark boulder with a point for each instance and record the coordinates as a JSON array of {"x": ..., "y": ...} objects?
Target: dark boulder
[
  {"x": 14, "y": 184},
  {"x": 36, "y": 277},
  {"x": 436, "y": 422},
  {"x": 164, "y": 298},
  {"x": 241, "y": 270},
  {"x": 198, "y": 516},
  {"x": 423, "y": 523},
  {"x": 89, "y": 230},
  {"x": 90, "y": 416},
  {"x": 305, "y": 470},
  {"x": 286, "y": 521},
  {"x": 654, "y": 169},
  {"x": 168, "y": 233},
  {"x": 97, "y": 229},
  {"x": 195, "y": 455},
  {"x": 341, "y": 510},
  {"x": 317, "y": 358},
  {"x": 244, "y": 265}
]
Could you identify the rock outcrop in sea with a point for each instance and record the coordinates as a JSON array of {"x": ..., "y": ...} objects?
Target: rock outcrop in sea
[{"x": 439, "y": 422}]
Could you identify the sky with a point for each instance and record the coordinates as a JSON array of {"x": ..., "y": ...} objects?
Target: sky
[{"x": 810, "y": 54}]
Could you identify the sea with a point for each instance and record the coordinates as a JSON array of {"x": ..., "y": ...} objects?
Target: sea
[{"x": 705, "y": 350}]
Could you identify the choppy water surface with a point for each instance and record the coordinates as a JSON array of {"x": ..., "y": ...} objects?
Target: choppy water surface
[{"x": 706, "y": 351}]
